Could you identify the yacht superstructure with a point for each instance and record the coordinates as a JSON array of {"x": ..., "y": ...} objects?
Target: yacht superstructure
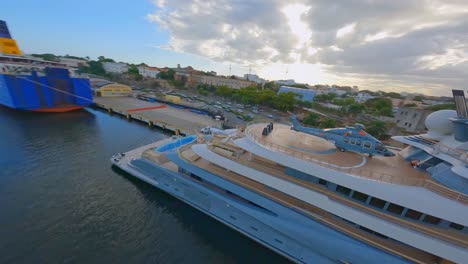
[{"x": 296, "y": 194}]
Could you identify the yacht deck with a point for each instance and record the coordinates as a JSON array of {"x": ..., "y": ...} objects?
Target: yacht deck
[
  {"x": 319, "y": 151},
  {"x": 413, "y": 254}
]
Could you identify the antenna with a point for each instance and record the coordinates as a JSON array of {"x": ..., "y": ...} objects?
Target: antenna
[
  {"x": 286, "y": 73},
  {"x": 230, "y": 69},
  {"x": 460, "y": 103}
]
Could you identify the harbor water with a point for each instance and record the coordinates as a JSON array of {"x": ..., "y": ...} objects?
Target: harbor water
[{"x": 62, "y": 202}]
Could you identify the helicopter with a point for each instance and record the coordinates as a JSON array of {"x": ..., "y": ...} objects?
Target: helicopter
[{"x": 353, "y": 139}]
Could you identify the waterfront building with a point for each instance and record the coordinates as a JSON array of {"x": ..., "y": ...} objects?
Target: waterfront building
[
  {"x": 233, "y": 83},
  {"x": 285, "y": 82},
  {"x": 115, "y": 67},
  {"x": 73, "y": 62},
  {"x": 301, "y": 94},
  {"x": 412, "y": 119},
  {"x": 254, "y": 78},
  {"x": 362, "y": 97},
  {"x": 114, "y": 89},
  {"x": 151, "y": 72}
]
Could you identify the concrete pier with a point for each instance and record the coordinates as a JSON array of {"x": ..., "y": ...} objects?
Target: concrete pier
[{"x": 178, "y": 121}]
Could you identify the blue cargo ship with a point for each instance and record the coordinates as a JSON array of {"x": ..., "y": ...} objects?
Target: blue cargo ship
[
  {"x": 34, "y": 84},
  {"x": 55, "y": 91}
]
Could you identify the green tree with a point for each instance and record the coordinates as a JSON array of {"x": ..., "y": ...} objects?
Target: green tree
[
  {"x": 344, "y": 102},
  {"x": 133, "y": 70},
  {"x": 376, "y": 128},
  {"x": 270, "y": 85},
  {"x": 394, "y": 95},
  {"x": 138, "y": 77},
  {"x": 168, "y": 75},
  {"x": 224, "y": 91},
  {"x": 94, "y": 67},
  {"x": 325, "y": 97},
  {"x": 285, "y": 101},
  {"x": 438, "y": 107},
  {"x": 328, "y": 123},
  {"x": 355, "y": 108},
  {"x": 303, "y": 86},
  {"x": 104, "y": 59},
  {"x": 202, "y": 90},
  {"x": 47, "y": 56},
  {"x": 155, "y": 85},
  {"x": 379, "y": 106},
  {"x": 312, "y": 119},
  {"x": 266, "y": 97}
]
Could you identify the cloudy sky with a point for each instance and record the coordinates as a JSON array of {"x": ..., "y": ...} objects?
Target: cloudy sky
[{"x": 411, "y": 45}]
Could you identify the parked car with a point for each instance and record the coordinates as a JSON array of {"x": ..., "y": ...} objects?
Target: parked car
[{"x": 269, "y": 115}]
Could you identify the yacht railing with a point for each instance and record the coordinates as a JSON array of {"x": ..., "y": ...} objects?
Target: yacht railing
[
  {"x": 455, "y": 153},
  {"x": 359, "y": 172}
]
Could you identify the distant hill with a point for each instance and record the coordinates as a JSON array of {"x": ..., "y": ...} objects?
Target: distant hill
[{"x": 47, "y": 57}]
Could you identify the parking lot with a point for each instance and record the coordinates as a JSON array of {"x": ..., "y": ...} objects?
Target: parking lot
[{"x": 235, "y": 114}]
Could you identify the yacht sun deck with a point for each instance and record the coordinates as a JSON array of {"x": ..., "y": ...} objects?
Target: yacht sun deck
[
  {"x": 317, "y": 213},
  {"x": 317, "y": 150},
  {"x": 394, "y": 170}
]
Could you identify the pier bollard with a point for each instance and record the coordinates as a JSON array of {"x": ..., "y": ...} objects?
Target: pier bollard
[
  {"x": 150, "y": 123},
  {"x": 177, "y": 132},
  {"x": 109, "y": 110}
]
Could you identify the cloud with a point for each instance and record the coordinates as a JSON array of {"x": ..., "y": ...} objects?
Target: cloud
[{"x": 410, "y": 42}]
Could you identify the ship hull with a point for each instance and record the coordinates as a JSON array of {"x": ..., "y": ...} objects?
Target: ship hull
[
  {"x": 279, "y": 228},
  {"x": 56, "y": 92},
  {"x": 58, "y": 109}
]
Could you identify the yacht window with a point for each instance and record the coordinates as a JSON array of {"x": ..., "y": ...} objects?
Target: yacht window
[
  {"x": 376, "y": 202},
  {"x": 358, "y": 142},
  {"x": 456, "y": 226},
  {"x": 367, "y": 144},
  {"x": 346, "y": 140},
  {"x": 352, "y": 141},
  {"x": 360, "y": 196},
  {"x": 379, "y": 147},
  {"x": 394, "y": 208},
  {"x": 322, "y": 182},
  {"x": 343, "y": 190},
  {"x": 413, "y": 214},
  {"x": 381, "y": 235},
  {"x": 431, "y": 219},
  {"x": 366, "y": 229}
]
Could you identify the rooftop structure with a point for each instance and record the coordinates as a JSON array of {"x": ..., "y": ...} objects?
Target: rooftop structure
[
  {"x": 411, "y": 119},
  {"x": 115, "y": 67},
  {"x": 301, "y": 94},
  {"x": 285, "y": 82},
  {"x": 254, "y": 78},
  {"x": 73, "y": 62},
  {"x": 114, "y": 89},
  {"x": 7, "y": 43},
  {"x": 151, "y": 72},
  {"x": 233, "y": 83},
  {"x": 362, "y": 97}
]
